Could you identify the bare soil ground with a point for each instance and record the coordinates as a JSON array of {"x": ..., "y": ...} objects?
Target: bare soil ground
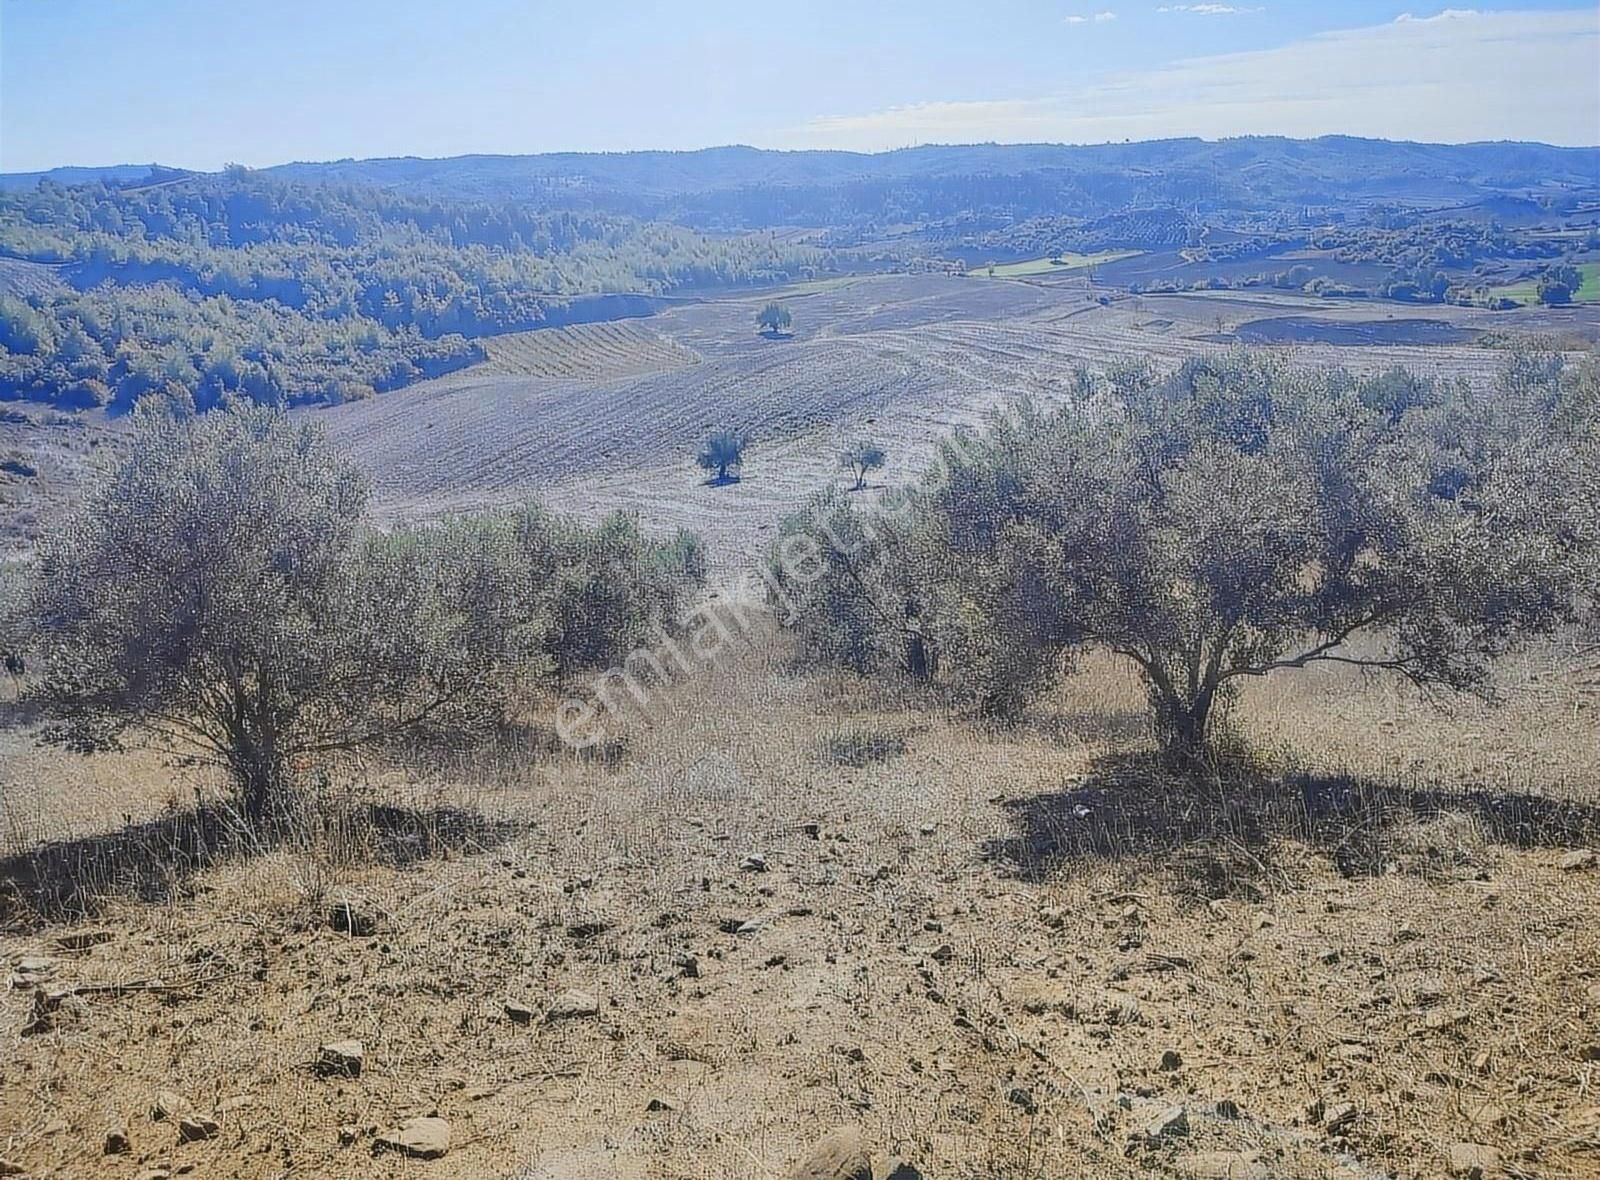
[{"x": 1000, "y": 953}]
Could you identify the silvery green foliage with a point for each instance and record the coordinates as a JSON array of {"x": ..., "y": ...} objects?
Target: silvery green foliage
[
  {"x": 218, "y": 595},
  {"x": 1242, "y": 516}
]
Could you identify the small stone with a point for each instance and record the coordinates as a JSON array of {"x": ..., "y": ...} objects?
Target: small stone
[
  {"x": 1581, "y": 858},
  {"x": 519, "y": 1013},
  {"x": 192, "y": 1128},
  {"x": 419, "y": 1138},
  {"x": 753, "y": 864},
  {"x": 1023, "y": 1097},
  {"x": 155, "y": 1173},
  {"x": 943, "y": 953},
  {"x": 750, "y": 926},
  {"x": 1171, "y": 1123},
  {"x": 657, "y": 1105},
  {"x": 341, "y": 1059},
  {"x": 1473, "y": 1161},
  {"x": 812, "y": 829},
  {"x": 839, "y": 1155},
  {"x": 8, "y": 1168},
  {"x": 1171, "y": 1060},
  {"x": 348, "y": 1134},
  {"x": 1327, "y": 956},
  {"x": 169, "y": 1104},
  {"x": 1339, "y": 1117},
  {"x": 117, "y": 1141},
  {"x": 572, "y": 1005}
]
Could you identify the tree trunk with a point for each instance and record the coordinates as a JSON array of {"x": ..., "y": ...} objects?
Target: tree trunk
[{"x": 1182, "y": 725}]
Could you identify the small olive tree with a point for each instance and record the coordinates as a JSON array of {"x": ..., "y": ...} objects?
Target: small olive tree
[
  {"x": 1239, "y": 518},
  {"x": 721, "y": 452},
  {"x": 863, "y": 457},
  {"x": 773, "y": 319}
]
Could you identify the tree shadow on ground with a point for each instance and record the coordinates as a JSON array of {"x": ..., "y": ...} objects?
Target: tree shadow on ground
[
  {"x": 1222, "y": 829},
  {"x": 72, "y": 879},
  {"x": 19, "y": 714}
]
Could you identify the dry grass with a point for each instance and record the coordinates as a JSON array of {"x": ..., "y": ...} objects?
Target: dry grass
[{"x": 955, "y": 932}]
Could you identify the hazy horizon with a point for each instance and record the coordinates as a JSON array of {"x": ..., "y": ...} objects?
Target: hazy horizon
[{"x": 294, "y": 83}]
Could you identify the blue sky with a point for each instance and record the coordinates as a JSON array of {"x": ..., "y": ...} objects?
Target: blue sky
[{"x": 198, "y": 83}]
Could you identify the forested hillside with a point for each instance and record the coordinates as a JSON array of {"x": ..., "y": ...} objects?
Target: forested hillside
[{"x": 289, "y": 292}]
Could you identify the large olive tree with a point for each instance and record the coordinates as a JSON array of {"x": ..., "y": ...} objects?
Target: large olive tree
[
  {"x": 218, "y": 595},
  {"x": 1238, "y": 518}
]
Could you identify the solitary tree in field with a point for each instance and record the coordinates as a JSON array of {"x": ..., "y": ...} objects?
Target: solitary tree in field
[
  {"x": 1559, "y": 284},
  {"x": 863, "y": 457},
  {"x": 773, "y": 319},
  {"x": 1238, "y": 519},
  {"x": 721, "y": 452}
]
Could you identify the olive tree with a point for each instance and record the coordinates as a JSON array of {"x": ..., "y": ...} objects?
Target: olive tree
[
  {"x": 773, "y": 319},
  {"x": 1238, "y": 518},
  {"x": 865, "y": 456},
  {"x": 216, "y": 596},
  {"x": 721, "y": 451}
]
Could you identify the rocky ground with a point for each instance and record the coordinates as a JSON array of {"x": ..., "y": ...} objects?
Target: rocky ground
[{"x": 800, "y": 927}]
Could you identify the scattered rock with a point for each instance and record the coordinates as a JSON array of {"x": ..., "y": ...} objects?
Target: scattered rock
[
  {"x": 55, "y": 1007},
  {"x": 1171, "y": 1123},
  {"x": 894, "y": 1168},
  {"x": 7, "y": 1168},
  {"x": 1581, "y": 858},
  {"x": 1328, "y": 956},
  {"x": 1023, "y": 1097},
  {"x": 192, "y": 1128},
  {"x": 169, "y": 1104},
  {"x": 590, "y": 928},
  {"x": 419, "y": 1138},
  {"x": 1171, "y": 1060},
  {"x": 117, "y": 1141},
  {"x": 658, "y": 1105},
  {"x": 753, "y": 864},
  {"x": 1473, "y": 1161},
  {"x": 572, "y": 1005},
  {"x": 1223, "y": 1165},
  {"x": 348, "y": 1134},
  {"x": 519, "y": 1013},
  {"x": 840, "y": 1155},
  {"x": 341, "y": 1059},
  {"x": 1339, "y": 1117},
  {"x": 348, "y": 918}
]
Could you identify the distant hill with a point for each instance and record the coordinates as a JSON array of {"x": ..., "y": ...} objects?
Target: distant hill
[
  {"x": 744, "y": 187},
  {"x": 113, "y": 173}
]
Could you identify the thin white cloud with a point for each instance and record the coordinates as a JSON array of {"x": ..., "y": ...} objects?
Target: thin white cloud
[
  {"x": 1456, "y": 76},
  {"x": 1210, "y": 9},
  {"x": 1098, "y": 18}
]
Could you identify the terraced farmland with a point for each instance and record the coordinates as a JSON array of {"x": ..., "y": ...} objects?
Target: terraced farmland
[
  {"x": 904, "y": 359},
  {"x": 620, "y": 348}
]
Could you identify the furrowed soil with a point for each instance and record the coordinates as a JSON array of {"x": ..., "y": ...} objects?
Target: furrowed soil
[
  {"x": 1000, "y": 953},
  {"x": 902, "y": 359}
]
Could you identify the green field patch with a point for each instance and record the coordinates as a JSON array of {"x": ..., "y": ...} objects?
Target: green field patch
[
  {"x": 1067, "y": 261},
  {"x": 1527, "y": 291}
]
